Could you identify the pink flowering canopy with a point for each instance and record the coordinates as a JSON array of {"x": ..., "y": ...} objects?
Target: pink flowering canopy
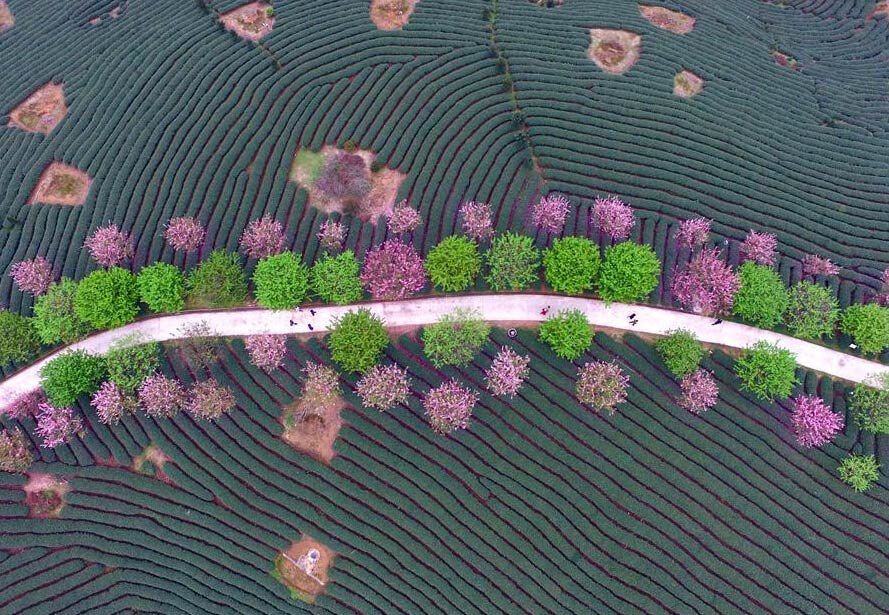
[
  {"x": 111, "y": 403},
  {"x": 815, "y": 265},
  {"x": 160, "y": 396},
  {"x": 263, "y": 237},
  {"x": 477, "y": 220},
  {"x": 708, "y": 285},
  {"x": 26, "y": 404},
  {"x": 109, "y": 246},
  {"x": 760, "y": 248},
  {"x": 814, "y": 423},
  {"x": 613, "y": 217},
  {"x": 332, "y": 235},
  {"x": 550, "y": 212},
  {"x": 184, "y": 234},
  {"x": 266, "y": 351},
  {"x": 208, "y": 400},
  {"x": 693, "y": 232},
  {"x": 384, "y": 387},
  {"x": 699, "y": 391},
  {"x": 56, "y": 425},
  {"x": 404, "y": 218},
  {"x": 32, "y": 276},
  {"x": 322, "y": 385},
  {"x": 449, "y": 406},
  {"x": 393, "y": 270},
  {"x": 507, "y": 372},
  {"x": 602, "y": 385}
]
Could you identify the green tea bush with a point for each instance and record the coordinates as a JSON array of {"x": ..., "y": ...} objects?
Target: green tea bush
[
  {"x": 455, "y": 338},
  {"x": 571, "y": 265},
  {"x": 868, "y": 326},
  {"x": 568, "y": 333},
  {"x": 357, "y": 340},
  {"x": 71, "y": 374},
  {"x": 162, "y": 287},
  {"x": 767, "y": 371},
  {"x": 107, "y": 298},
  {"x": 454, "y": 263},
  {"x": 762, "y": 297},
  {"x": 630, "y": 272},
  {"x": 18, "y": 338},
  {"x": 681, "y": 352},
  {"x": 217, "y": 282},
  {"x": 281, "y": 281},
  {"x": 335, "y": 279}
]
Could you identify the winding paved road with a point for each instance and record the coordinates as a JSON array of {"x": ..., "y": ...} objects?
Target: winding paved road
[{"x": 494, "y": 308}]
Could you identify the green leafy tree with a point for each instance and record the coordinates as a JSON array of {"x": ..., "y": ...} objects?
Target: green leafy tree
[
  {"x": 868, "y": 325},
  {"x": 454, "y": 264},
  {"x": 455, "y": 338},
  {"x": 681, "y": 352},
  {"x": 71, "y": 374},
  {"x": 767, "y": 371},
  {"x": 513, "y": 262},
  {"x": 762, "y": 297},
  {"x": 357, "y": 340},
  {"x": 335, "y": 279},
  {"x": 859, "y": 471},
  {"x": 131, "y": 361},
  {"x": 568, "y": 333},
  {"x": 162, "y": 287},
  {"x": 107, "y": 298},
  {"x": 218, "y": 281},
  {"x": 18, "y": 338},
  {"x": 54, "y": 316},
  {"x": 281, "y": 280},
  {"x": 630, "y": 272},
  {"x": 869, "y": 402},
  {"x": 571, "y": 265},
  {"x": 812, "y": 310}
]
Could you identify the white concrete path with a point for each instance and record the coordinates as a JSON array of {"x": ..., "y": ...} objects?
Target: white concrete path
[{"x": 493, "y": 307}]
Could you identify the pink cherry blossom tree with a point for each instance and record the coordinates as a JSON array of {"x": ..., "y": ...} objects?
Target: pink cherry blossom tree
[
  {"x": 332, "y": 235},
  {"x": 322, "y": 385},
  {"x": 814, "y": 423},
  {"x": 393, "y": 270},
  {"x": 602, "y": 385},
  {"x": 550, "y": 212},
  {"x": 708, "y": 285},
  {"x": 815, "y": 265},
  {"x": 162, "y": 397},
  {"x": 262, "y": 237},
  {"x": 26, "y": 404},
  {"x": 32, "y": 276},
  {"x": 759, "y": 248},
  {"x": 15, "y": 454},
  {"x": 109, "y": 246},
  {"x": 449, "y": 406},
  {"x": 693, "y": 232},
  {"x": 404, "y": 218},
  {"x": 883, "y": 295},
  {"x": 208, "y": 400},
  {"x": 698, "y": 391},
  {"x": 477, "y": 220},
  {"x": 384, "y": 387},
  {"x": 613, "y": 217},
  {"x": 111, "y": 403},
  {"x": 507, "y": 372},
  {"x": 56, "y": 425},
  {"x": 266, "y": 351},
  {"x": 184, "y": 234}
]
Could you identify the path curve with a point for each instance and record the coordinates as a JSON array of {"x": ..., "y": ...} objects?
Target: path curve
[{"x": 494, "y": 308}]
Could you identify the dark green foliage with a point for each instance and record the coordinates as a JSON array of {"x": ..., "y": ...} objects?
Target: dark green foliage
[
  {"x": 128, "y": 364},
  {"x": 868, "y": 325},
  {"x": 455, "y": 338},
  {"x": 767, "y": 371},
  {"x": 71, "y": 374},
  {"x": 859, "y": 471},
  {"x": 162, "y": 287},
  {"x": 869, "y": 402},
  {"x": 107, "y": 298},
  {"x": 571, "y": 265},
  {"x": 18, "y": 338},
  {"x": 630, "y": 272},
  {"x": 568, "y": 333},
  {"x": 54, "y": 316},
  {"x": 513, "y": 262},
  {"x": 282, "y": 281},
  {"x": 762, "y": 297},
  {"x": 812, "y": 310},
  {"x": 454, "y": 263},
  {"x": 335, "y": 278},
  {"x": 218, "y": 281},
  {"x": 357, "y": 340},
  {"x": 681, "y": 352}
]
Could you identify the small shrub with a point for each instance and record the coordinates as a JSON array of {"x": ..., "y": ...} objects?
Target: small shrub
[
  {"x": 107, "y": 298},
  {"x": 568, "y": 333},
  {"x": 507, "y": 372},
  {"x": 19, "y": 341},
  {"x": 404, "y": 218},
  {"x": 54, "y": 317},
  {"x": 109, "y": 246},
  {"x": 869, "y": 402},
  {"x": 630, "y": 272},
  {"x": 71, "y": 374},
  {"x": 162, "y": 288},
  {"x": 266, "y": 351},
  {"x": 613, "y": 217},
  {"x": 357, "y": 340},
  {"x": 571, "y": 265},
  {"x": 350, "y": 146},
  {"x": 217, "y": 282},
  {"x": 549, "y": 214},
  {"x": 767, "y": 371},
  {"x": 759, "y": 248},
  {"x": 199, "y": 344},
  {"x": 55, "y": 425},
  {"x": 384, "y": 387},
  {"x": 455, "y": 338},
  {"x": 32, "y": 276},
  {"x": 335, "y": 279},
  {"x": 477, "y": 220},
  {"x": 812, "y": 310},
  {"x": 160, "y": 396},
  {"x": 868, "y": 326},
  {"x": 859, "y": 471},
  {"x": 393, "y": 270},
  {"x": 762, "y": 297},
  {"x": 513, "y": 262},
  {"x": 322, "y": 386},
  {"x": 208, "y": 400},
  {"x": 15, "y": 454},
  {"x": 332, "y": 235},
  {"x": 699, "y": 392},
  {"x": 602, "y": 385},
  {"x": 281, "y": 281},
  {"x": 454, "y": 264},
  {"x": 680, "y": 351},
  {"x": 130, "y": 361},
  {"x": 449, "y": 407},
  {"x": 814, "y": 423},
  {"x": 262, "y": 238},
  {"x": 184, "y": 234}
]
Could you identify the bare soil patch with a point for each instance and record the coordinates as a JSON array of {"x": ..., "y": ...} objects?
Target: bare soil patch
[
  {"x": 880, "y": 8},
  {"x": 303, "y": 568},
  {"x": 784, "y": 59},
  {"x": 251, "y": 21},
  {"x": 666, "y": 19},
  {"x": 61, "y": 184},
  {"x": 686, "y": 84},
  {"x": 614, "y": 51},
  {"x": 6, "y": 18},
  {"x": 313, "y": 430},
  {"x": 41, "y": 111},
  {"x": 45, "y": 495},
  {"x": 156, "y": 458},
  {"x": 307, "y": 171},
  {"x": 391, "y": 14}
]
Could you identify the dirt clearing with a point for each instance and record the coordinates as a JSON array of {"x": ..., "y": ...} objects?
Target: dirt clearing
[
  {"x": 391, "y": 14},
  {"x": 614, "y": 51},
  {"x": 61, "y": 184},
  {"x": 41, "y": 111},
  {"x": 313, "y": 430},
  {"x": 676, "y": 22},
  {"x": 45, "y": 495},
  {"x": 303, "y": 567},
  {"x": 6, "y": 18},
  {"x": 686, "y": 84},
  {"x": 251, "y": 21}
]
